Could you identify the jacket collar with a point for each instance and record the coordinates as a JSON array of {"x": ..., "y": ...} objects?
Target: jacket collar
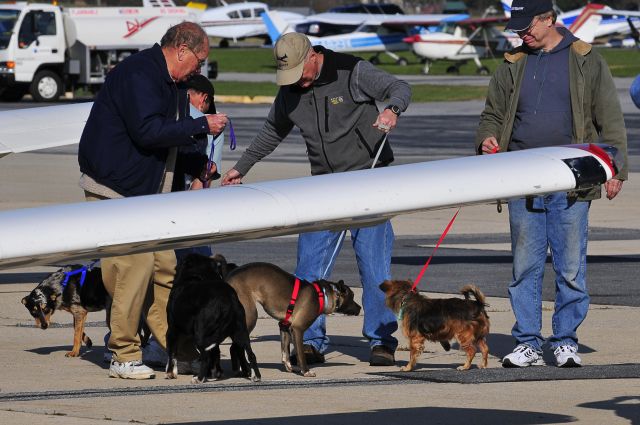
[
  {"x": 329, "y": 72},
  {"x": 578, "y": 46},
  {"x": 158, "y": 58}
]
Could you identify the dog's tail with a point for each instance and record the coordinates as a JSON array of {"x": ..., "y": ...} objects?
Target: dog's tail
[{"x": 477, "y": 294}]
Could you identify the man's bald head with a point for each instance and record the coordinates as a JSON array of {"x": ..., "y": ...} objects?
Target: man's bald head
[{"x": 186, "y": 33}]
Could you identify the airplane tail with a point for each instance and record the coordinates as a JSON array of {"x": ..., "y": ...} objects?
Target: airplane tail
[
  {"x": 276, "y": 26},
  {"x": 506, "y": 7},
  {"x": 586, "y": 24},
  {"x": 158, "y": 3}
]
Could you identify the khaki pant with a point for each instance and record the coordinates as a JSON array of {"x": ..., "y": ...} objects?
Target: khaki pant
[{"x": 139, "y": 285}]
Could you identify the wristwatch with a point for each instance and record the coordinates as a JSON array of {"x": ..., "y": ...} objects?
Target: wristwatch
[{"x": 395, "y": 109}]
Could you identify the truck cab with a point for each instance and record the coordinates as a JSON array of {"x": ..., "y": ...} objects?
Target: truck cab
[{"x": 32, "y": 51}]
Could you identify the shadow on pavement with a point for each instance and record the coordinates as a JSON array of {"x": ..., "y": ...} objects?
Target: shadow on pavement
[{"x": 410, "y": 415}]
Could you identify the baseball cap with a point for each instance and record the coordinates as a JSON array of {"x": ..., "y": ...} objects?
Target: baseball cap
[
  {"x": 523, "y": 11},
  {"x": 289, "y": 52},
  {"x": 202, "y": 84}
]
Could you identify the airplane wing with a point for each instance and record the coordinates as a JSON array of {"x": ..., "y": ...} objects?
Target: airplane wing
[
  {"x": 64, "y": 233},
  {"x": 473, "y": 23},
  {"x": 23, "y": 130},
  {"x": 613, "y": 12}
]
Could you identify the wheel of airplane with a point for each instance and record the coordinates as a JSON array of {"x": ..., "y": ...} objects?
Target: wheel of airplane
[
  {"x": 483, "y": 70},
  {"x": 402, "y": 62},
  {"x": 453, "y": 70}
]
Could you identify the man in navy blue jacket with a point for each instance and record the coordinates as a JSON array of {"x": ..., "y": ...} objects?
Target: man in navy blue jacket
[{"x": 128, "y": 148}]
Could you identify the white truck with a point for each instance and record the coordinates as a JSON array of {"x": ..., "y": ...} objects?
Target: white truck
[{"x": 46, "y": 50}]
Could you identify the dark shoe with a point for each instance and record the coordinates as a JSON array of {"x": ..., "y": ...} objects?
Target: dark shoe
[
  {"x": 311, "y": 354},
  {"x": 382, "y": 355}
]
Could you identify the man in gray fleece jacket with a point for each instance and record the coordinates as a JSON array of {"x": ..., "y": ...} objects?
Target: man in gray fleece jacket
[{"x": 331, "y": 98}]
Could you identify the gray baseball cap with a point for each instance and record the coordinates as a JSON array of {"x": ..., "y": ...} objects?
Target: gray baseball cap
[{"x": 289, "y": 52}]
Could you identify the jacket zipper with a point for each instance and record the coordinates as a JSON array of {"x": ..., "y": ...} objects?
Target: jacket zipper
[{"x": 324, "y": 151}]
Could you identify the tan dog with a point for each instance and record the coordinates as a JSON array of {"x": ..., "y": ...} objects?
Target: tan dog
[
  {"x": 272, "y": 287},
  {"x": 440, "y": 320}
]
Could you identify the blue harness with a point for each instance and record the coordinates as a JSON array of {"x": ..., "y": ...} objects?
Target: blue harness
[{"x": 82, "y": 270}]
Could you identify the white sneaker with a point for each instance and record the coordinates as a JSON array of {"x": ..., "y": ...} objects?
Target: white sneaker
[
  {"x": 523, "y": 356},
  {"x": 566, "y": 356},
  {"x": 154, "y": 355},
  {"x": 130, "y": 370}
]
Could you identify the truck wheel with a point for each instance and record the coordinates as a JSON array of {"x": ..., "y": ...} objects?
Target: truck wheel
[{"x": 46, "y": 86}]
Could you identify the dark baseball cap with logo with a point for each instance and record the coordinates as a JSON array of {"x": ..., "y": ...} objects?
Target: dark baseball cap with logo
[
  {"x": 523, "y": 12},
  {"x": 202, "y": 84},
  {"x": 290, "y": 51}
]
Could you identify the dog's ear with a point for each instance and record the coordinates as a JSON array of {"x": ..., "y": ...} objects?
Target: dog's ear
[{"x": 24, "y": 300}]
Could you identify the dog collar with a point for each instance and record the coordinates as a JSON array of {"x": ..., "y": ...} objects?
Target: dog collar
[{"x": 401, "y": 310}]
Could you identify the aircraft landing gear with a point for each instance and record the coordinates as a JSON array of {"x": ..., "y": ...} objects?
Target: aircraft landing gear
[
  {"x": 483, "y": 70},
  {"x": 375, "y": 60},
  {"x": 453, "y": 69},
  {"x": 426, "y": 66}
]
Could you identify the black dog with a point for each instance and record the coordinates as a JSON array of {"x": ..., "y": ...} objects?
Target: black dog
[
  {"x": 203, "y": 306},
  {"x": 75, "y": 289}
]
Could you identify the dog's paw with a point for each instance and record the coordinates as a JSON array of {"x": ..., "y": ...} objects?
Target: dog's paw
[
  {"x": 195, "y": 380},
  {"x": 72, "y": 354},
  {"x": 405, "y": 369},
  {"x": 170, "y": 375},
  {"x": 288, "y": 367},
  {"x": 463, "y": 367},
  {"x": 309, "y": 374},
  {"x": 255, "y": 378}
]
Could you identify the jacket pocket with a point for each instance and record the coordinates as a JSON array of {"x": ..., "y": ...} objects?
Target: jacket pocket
[
  {"x": 363, "y": 143},
  {"x": 326, "y": 114}
]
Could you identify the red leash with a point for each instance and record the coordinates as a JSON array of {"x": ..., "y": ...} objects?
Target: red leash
[{"x": 426, "y": 265}]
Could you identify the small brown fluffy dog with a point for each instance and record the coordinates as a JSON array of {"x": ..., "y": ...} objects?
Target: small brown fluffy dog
[{"x": 439, "y": 319}]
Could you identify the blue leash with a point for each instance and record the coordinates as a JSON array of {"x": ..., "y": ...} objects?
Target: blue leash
[{"x": 82, "y": 270}]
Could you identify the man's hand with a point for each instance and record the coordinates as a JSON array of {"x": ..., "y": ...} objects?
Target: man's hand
[
  {"x": 232, "y": 176},
  {"x": 490, "y": 145},
  {"x": 613, "y": 187},
  {"x": 217, "y": 123},
  {"x": 386, "y": 121}
]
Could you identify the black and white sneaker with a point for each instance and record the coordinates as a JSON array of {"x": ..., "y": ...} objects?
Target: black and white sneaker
[
  {"x": 522, "y": 356},
  {"x": 566, "y": 356}
]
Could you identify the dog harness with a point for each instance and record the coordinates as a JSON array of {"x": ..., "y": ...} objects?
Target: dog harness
[
  {"x": 83, "y": 270},
  {"x": 285, "y": 323}
]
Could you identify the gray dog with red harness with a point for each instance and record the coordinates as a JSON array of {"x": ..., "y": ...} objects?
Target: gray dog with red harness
[{"x": 293, "y": 302}]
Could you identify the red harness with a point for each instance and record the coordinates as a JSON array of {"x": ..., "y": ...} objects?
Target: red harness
[{"x": 285, "y": 323}]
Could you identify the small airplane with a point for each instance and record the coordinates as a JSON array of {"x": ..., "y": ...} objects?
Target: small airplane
[
  {"x": 356, "y": 32},
  {"x": 474, "y": 38},
  {"x": 238, "y": 21},
  {"x": 70, "y": 232},
  {"x": 614, "y": 21}
]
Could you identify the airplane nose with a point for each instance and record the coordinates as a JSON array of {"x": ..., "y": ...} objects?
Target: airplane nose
[{"x": 412, "y": 39}]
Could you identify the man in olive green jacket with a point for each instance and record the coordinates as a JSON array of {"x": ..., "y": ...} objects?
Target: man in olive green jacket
[{"x": 553, "y": 90}]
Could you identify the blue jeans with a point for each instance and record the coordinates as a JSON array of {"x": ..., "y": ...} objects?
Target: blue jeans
[
  {"x": 561, "y": 224},
  {"x": 372, "y": 246}
]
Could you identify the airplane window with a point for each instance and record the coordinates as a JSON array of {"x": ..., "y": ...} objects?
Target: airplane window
[
  {"x": 246, "y": 13},
  {"x": 234, "y": 14},
  {"x": 322, "y": 29}
]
